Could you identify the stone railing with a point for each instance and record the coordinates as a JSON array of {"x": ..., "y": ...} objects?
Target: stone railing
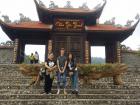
[{"x": 130, "y": 57}]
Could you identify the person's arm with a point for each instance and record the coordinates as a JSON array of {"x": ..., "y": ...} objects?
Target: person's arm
[
  {"x": 58, "y": 65},
  {"x": 74, "y": 65},
  {"x": 65, "y": 66},
  {"x": 54, "y": 67},
  {"x": 47, "y": 66}
]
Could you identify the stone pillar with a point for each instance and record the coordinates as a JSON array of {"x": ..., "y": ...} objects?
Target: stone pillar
[
  {"x": 118, "y": 52},
  {"x": 16, "y": 50},
  {"x": 87, "y": 52}
]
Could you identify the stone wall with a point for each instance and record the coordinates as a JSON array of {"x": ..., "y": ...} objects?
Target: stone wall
[
  {"x": 6, "y": 54},
  {"x": 130, "y": 57}
]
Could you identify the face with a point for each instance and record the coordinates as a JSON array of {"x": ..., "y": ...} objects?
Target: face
[
  {"x": 62, "y": 52},
  {"x": 70, "y": 56}
]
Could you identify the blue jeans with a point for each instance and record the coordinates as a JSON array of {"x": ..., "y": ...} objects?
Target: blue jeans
[
  {"x": 61, "y": 78},
  {"x": 74, "y": 81}
]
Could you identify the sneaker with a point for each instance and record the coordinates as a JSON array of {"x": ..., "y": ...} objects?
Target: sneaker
[
  {"x": 72, "y": 92},
  {"x": 49, "y": 93},
  {"x": 44, "y": 93},
  {"x": 76, "y": 92},
  {"x": 58, "y": 92}
]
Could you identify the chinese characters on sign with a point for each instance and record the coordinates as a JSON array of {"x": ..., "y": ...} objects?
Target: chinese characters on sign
[{"x": 69, "y": 24}]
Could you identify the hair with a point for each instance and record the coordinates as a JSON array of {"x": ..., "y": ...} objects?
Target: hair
[
  {"x": 72, "y": 57},
  {"x": 50, "y": 54}
]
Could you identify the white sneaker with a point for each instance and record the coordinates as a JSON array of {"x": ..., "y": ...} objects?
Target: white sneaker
[{"x": 58, "y": 92}]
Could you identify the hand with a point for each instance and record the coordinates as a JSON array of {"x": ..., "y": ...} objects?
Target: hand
[
  {"x": 70, "y": 73},
  {"x": 59, "y": 70},
  {"x": 62, "y": 71},
  {"x": 49, "y": 70}
]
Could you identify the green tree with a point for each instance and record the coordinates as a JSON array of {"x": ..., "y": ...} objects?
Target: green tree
[
  {"x": 111, "y": 21},
  {"x": 6, "y": 18},
  {"x": 7, "y": 43},
  {"x": 97, "y": 60},
  {"x": 52, "y": 5},
  {"x": 84, "y": 6}
]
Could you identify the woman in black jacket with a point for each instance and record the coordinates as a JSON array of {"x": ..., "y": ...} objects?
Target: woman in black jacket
[{"x": 73, "y": 73}]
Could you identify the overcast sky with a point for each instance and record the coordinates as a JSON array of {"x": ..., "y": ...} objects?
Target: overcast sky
[{"x": 121, "y": 9}]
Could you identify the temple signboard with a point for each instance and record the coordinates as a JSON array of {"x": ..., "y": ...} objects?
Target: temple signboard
[{"x": 68, "y": 25}]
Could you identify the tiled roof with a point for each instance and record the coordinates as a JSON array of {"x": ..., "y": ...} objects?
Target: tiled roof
[
  {"x": 103, "y": 27},
  {"x": 31, "y": 25},
  {"x": 40, "y": 25},
  {"x": 71, "y": 10}
]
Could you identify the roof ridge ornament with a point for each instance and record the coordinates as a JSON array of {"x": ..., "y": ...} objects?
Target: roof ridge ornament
[{"x": 53, "y": 6}]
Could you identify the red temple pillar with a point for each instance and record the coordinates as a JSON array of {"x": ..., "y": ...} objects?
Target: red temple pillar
[
  {"x": 21, "y": 52},
  {"x": 87, "y": 52},
  {"x": 118, "y": 52},
  {"x": 111, "y": 52},
  {"x": 16, "y": 50}
]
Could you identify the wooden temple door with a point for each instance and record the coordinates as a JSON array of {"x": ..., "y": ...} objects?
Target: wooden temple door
[{"x": 74, "y": 44}]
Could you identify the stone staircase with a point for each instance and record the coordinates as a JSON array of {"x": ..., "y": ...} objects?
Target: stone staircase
[{"x": 14, "y": 90}]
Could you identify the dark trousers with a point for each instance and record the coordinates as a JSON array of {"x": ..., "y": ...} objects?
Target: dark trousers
[
  {"x": 48, "y": 84},
  {"x": 31, "y": 61},
  {"x": 36, "y": 61}
]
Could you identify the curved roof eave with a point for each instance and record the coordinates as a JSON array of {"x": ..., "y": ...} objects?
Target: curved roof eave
[
  {"x": 84, "y": 13},
  {"x": 121, "y": 34},
  {"x": 5, "y": 28}
]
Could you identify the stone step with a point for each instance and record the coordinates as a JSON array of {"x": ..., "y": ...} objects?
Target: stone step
[
  {"x": 81, "y": 91},
  {"x": 22, "y": 76},
  {"x": 69, "y": 96},
  {"x": 96, "y": 86},
  {"x": 19, "y": 72},
  {"x": 16, "y": 68},
  {"x": 70, "y": 102},
  {"x": 12, "y": 75},
  {"x": 27, "y": 81}
]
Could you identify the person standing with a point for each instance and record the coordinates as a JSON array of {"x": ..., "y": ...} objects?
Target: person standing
[
  {"x": 73, "y": 73},
  {"x": 50, "y": 65},
  {"x": 61, "y": 73},
  {"x": 36, "y": 60},
  {"x": 31, "y": 57}
]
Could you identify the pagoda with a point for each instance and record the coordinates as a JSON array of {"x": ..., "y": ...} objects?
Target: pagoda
[{"x": 74, "y": 29}]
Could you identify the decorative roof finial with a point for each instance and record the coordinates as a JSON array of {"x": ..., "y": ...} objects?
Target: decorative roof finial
[
  {"x": 137, "y": 17},
  {"x": 41, "y": 3},
  {"x": 68, "y": 4}
]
